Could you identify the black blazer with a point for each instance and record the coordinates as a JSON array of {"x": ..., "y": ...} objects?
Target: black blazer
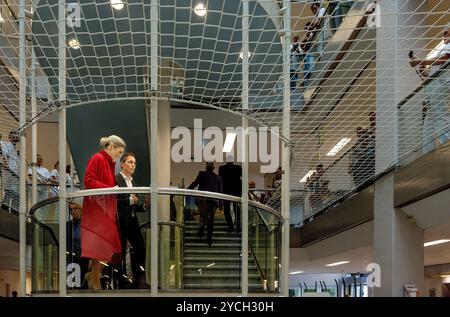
[
  {"x": 123, "y": 200},
  {"x": 208, "y": 181}
]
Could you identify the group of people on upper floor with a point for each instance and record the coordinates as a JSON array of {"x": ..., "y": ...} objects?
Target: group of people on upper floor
[
  {"x": 319, "y": 30},
  {"x": 10, "y": 173}
]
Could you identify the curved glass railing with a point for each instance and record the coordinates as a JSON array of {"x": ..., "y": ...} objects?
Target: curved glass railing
[{"x": 186, "y": 261}]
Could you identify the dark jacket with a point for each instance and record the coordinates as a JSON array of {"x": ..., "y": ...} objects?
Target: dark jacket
[
  {"x": 231, "y": 179},
  {"x": 207, "y": 181},
  {"x": 123, "y": 200}
]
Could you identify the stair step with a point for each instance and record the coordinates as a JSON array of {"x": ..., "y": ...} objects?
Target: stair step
[
  {"x": 216, "y": 238},
  {"x": 217, "y": 245}
]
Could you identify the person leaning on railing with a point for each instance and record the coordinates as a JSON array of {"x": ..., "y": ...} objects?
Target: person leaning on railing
[{"x": 436, "y": 118}]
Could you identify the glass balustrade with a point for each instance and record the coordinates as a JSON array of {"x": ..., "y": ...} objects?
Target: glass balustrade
[
  {"x": 186, "y": 259},
  {"x": 424, "y": 116}
]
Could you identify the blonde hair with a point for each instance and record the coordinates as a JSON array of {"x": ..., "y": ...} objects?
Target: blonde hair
[{"x": 112, "y": 139}]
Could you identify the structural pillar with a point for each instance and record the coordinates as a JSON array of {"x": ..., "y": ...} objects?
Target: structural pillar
[
  {"x": 286, "y": 151},
  {"x": 398, "y": 243}
]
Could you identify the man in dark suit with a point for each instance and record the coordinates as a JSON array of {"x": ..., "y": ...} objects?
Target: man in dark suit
[
  {"x": 231, "y": 175},
  {"x": 127, "y": 206},
  {"x": 207, "y": 181}
]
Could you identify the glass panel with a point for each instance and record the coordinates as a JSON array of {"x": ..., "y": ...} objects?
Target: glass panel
[
  {"x": 424, "y": 119},
  {"x": 45, "y": 258},
  {"x": 264, "y": 242}
]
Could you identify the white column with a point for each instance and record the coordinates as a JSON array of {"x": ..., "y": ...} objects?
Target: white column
[
  {"x": 286, "y": 153},
  {"x": 154, "y": 13},
  {"x": 398, "y": 243},
  {"x": 397, "y": 33},
  {"x": 23, "y": 166},
  {"x": 244, "y": 99},
  {"x": 62, "y": 146}
]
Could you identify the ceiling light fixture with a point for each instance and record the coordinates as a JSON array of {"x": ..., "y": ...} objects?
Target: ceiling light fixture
[
  {"x": 338, "y": 146},
  {"x": 427, "y": 244},
  {"x": 200, "y": 9},
  {"x": 117, "y": 4},
  {"x": 296, "y": 272},
  {"x": 241, "y": 55},
  {"x": 73, "y": 43},
  {"x": 337, "y": 263},
  {"x": 307, "y": 175}
]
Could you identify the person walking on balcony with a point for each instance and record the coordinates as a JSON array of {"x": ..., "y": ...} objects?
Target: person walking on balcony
[
  {"x": 207, "y": 181},
  {"x": 127, "y": 206},
  {"x": 10, "y": 163},
  {"x": 231, "y": 175},
  {"x": 100, "y": 240},
  {"x": 296, "y": 56}
]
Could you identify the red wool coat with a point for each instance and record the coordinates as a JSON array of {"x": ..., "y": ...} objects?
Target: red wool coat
[{"x": 99, "y": 231}]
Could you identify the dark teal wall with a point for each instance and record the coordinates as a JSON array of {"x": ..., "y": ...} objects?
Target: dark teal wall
[{"x": 86, "y": 124}]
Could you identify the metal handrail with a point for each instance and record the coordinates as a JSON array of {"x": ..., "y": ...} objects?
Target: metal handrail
[
  {"x": 169, "y": 191},
  {"x": 430, "y": 78}
]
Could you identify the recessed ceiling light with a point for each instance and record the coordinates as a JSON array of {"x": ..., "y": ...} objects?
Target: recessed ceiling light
[
  {"x": 200, "y": 9},
  {"x": 427, "y": 244},
  {"x": 307, "y": 175},
  {"x": 73, "y": 43},
  {"x": 338, "y": 146},
  {"x": 117, "y": 4},
  {"x": 338, "y": 263},
  {"x": 241, "y": 54},
  {"x": 296, "y": 272}
]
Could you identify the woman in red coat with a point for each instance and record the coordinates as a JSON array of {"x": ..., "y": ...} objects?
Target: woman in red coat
[{"x": 100, "y": 239}]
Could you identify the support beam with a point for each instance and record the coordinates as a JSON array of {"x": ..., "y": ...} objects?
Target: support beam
[
  {"x": 244, "y": 98},
  {"x": 33, "y": 129},
  {"x": 62, "y": 146},
  {"x": 23, "y": 165},
  {"x": 286, "y": 152},
  {"x": 154, "y": 58}
]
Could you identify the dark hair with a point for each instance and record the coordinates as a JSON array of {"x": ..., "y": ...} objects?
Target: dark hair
[
  {"x": 314, "y": 4},
  {"x": 124, "y": 157},
  {"x": 210, "y": 166}
]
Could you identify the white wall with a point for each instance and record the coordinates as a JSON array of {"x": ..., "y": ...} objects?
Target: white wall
[{"x": 11, "y": 280}]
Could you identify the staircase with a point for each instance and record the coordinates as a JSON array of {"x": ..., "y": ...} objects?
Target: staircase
[{"x": 217, "y": 266}]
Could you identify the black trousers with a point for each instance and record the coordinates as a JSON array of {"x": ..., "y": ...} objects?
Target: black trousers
[
  {"x": 227, "y": 213},
  {"x": 207, "y": 210},
  {"x": 130, "y": 231}
]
